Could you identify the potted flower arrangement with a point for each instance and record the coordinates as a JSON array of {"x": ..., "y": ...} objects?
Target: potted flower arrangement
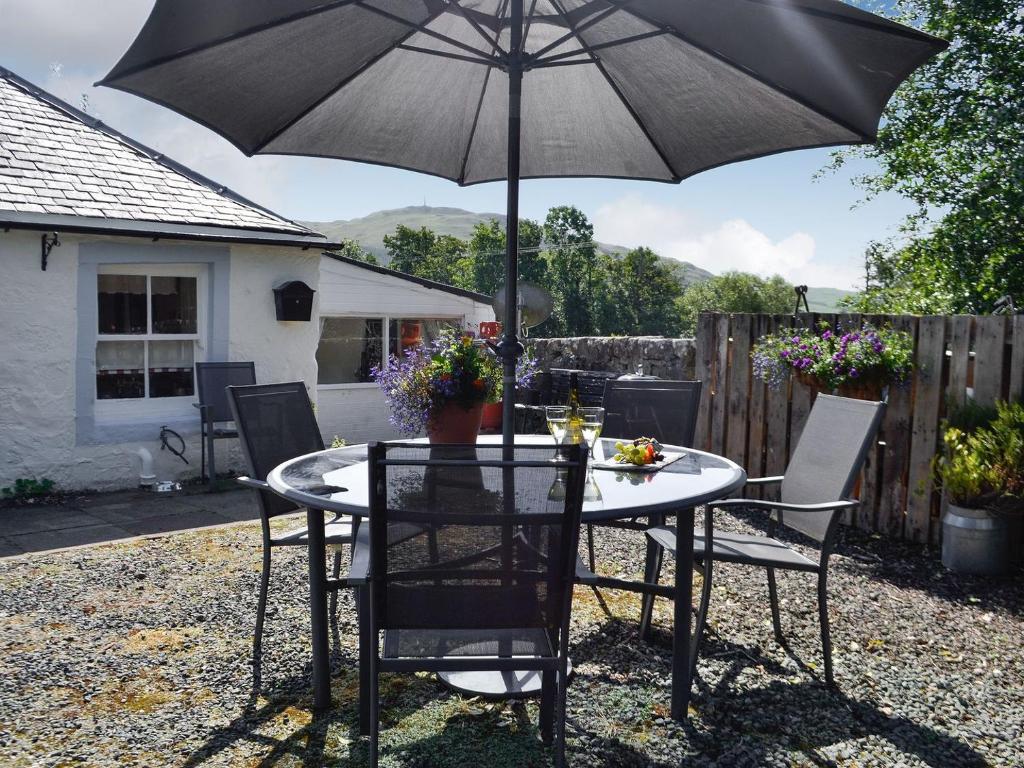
[
  {"x": 854, "y": 363},
  {"x": 981, "y": 472},
  {"x": 441, "y": 387}
]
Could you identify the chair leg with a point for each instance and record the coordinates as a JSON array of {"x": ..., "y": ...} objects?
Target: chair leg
[
  {"x": 374, "y": 706},
  {"x": 562, "y": 685},
  {"x": 202, "y": 451},
  {"x": 212, "y": 463},
  {"x": 590, "y": 547},
  {"x": 548, "y": 687},
  {"x": 773, "y": 598},
  {"x": 261, "y": 608},
  {"x": 702, "y": 615},
  {"x": 335, "y": 573},
  {"x": 652, "y": 572},
  {"x": 826, "y": 640}
]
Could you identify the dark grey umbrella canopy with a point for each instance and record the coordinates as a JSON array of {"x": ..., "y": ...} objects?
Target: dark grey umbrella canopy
[{"x": 645, "y": 89}]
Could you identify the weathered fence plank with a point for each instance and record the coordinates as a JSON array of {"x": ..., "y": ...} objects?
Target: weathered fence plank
[
  {"x": 989, "y": 348},
  {"x": 721, "y": 383},
  {"x": 801, "y": 398},
  {"x": 959, "y": 357},
  {"x": 931, "y": 351},
  {"x": 739, "y": 389},
  {"x": 755, "y": 418},
  {"x": 703, "y": 363},
  {"x": 892, "y": 502},
  {"x": 776, "y": 449},
  {"x": 1016, "y": 389}
]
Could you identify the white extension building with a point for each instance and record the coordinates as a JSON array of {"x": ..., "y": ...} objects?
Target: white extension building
[{"x": 121, "y": 269}]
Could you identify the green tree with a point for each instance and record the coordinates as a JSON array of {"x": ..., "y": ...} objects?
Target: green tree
[
  {"x": 639, "y": 296},
  {"x": 574, "y": 269},
  {"x": 953, "y": 142},
  {"x": 735, "y": 292},
  {"x": 487, "y": 249},
  {"x": 424, "y": 253},
  {"x": 353, "y": 250}
]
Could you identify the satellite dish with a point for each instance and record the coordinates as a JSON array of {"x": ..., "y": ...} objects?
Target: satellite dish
[{"x": 535, "y": 305}]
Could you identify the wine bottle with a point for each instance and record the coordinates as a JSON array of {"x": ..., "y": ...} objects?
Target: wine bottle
[{"x": 574, "y": 421}]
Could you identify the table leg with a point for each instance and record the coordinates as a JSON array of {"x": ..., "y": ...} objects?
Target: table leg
[
  {"x": 318, "y": 610},
  {"x": 682, "y": 677}
]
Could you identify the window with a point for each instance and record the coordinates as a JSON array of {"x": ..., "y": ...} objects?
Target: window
[
  {"x": 148, "y": 331},
  {"x": 351, "y": 346}
]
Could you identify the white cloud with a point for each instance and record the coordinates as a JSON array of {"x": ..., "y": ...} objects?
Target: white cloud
[{"x": 717, "y": 246}]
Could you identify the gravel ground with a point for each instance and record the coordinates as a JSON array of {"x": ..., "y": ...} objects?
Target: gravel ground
[{"x": 139, "y": 654}]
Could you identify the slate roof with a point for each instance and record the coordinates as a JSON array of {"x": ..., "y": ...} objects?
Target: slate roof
[{"x": 56, "y": 160}]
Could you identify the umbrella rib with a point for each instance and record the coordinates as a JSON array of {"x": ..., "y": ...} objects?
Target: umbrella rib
[
  {"x": 781, "y": 90},
  {"x": 279, "y": 22},
  {"x": 479, "y": 106},
  {"x": 429, "y": 32},
  {"x": 345, "y": 81},
  {"x": 575, "y": 32},
  {"x": 615, "y": 88},
  {"x": 547, "y": 60},
  {"x": 529, "y": 21},
  {"x": 476, "y": 25},
  {"x": 447, "y": 55}
]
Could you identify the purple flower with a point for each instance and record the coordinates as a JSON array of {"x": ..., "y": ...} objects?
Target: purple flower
[
  {"x": 853, "y": 373},
  {"x": 827, "y": 335}
]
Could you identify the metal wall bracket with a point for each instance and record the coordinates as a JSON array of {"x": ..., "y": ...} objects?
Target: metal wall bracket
[{"x": 48, "y": 241}]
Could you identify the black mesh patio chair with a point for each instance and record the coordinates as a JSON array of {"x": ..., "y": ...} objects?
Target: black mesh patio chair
[
  {"x": 814, "y": 491},
  {"x": 493, "y": 592},
  {"x": 275, "y": 423},
  {"x": 214, "y": 411},
  {"x": 663, "y": 409}
]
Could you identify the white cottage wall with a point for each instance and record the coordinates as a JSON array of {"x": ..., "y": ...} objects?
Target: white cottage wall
[
  {"x": 357, "y": 412},
  {"x": 41, "y": 380}
]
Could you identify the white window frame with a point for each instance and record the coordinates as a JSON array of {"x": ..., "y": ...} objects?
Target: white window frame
[
  {"x": 133, "y": 409},
  {"x": 457, "y": 320}
]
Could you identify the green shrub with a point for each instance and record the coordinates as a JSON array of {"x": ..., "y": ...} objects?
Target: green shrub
[
  {"x": 982, "y": 463},
  {"x": 27, "y": 488}
]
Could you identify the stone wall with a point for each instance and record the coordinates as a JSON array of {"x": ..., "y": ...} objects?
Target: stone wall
[{"x": 665, "y": 358}]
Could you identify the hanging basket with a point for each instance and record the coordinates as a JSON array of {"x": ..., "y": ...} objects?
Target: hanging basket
[
  {"x": 454, "y": 424},
  {"x": 867, "y": 389}
]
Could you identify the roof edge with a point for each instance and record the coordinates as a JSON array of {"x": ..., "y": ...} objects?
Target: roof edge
[
  {"x": 158, "y": 157},
  {"x": 434, "y": 284},
  {"x": 84, "y": 225}
]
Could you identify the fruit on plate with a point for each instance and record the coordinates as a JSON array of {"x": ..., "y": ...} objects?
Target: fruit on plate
[{"x": 642, "y": 451}]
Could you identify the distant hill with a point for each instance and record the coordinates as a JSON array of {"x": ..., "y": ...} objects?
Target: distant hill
[
  {"x": 369, "y": 232},
  {"x": 825, "y": 299}
]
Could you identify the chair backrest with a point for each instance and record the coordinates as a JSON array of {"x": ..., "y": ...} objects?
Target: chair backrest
[
  {"x": 275, "y": 423},
  {"x": 665, "y": 410},
  {"x": 213, "y": 378},
  {"x": 504, "y": 525},
  {"x": 555, "y": 386},
  {"x": 827, "y": 459}
]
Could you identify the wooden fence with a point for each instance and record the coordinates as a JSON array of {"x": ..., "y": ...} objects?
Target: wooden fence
[{"x": 757, "y": 427}]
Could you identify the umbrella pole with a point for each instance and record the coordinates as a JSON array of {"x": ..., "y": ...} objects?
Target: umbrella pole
[{"x": 510, "y": 347}]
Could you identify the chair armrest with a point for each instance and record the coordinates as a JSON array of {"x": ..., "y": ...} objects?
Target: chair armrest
[
  {"x": 583, "y": 574},
  {"x": 764, "y": 480},
  {"x": 359, "y": 571},
  {"x": 248, "y": 482},
  {"x": 824, "y": 506}
]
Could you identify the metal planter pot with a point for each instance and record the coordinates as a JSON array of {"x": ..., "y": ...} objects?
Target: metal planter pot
[{"x": 975, "y": 542}]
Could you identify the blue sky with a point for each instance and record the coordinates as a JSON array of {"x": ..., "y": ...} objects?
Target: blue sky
[{"x": 767, "y": 215}]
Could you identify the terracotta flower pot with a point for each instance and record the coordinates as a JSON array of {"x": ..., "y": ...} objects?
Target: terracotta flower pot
[
  {"x": 492, "y": 416},
  {"x": 455, "y": 424}
]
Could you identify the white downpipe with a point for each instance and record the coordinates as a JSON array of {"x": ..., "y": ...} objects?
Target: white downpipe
[{"x": 146, "y": 476}]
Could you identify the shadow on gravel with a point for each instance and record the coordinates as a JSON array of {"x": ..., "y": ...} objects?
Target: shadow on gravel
[{"x": 808, "y": 716}]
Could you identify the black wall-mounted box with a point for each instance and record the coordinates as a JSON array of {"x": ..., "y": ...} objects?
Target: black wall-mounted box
[{"x": 294, "y": 301}]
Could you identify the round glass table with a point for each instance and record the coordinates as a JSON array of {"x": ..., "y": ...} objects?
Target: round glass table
[{"x": 335, "y": 480}]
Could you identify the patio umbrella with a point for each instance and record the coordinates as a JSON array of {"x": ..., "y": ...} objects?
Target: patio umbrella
[{"x": 483, "y": 90}]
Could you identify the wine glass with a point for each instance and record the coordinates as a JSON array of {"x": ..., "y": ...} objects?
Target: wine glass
[
  {"x": 558, "y": 421},
  {"x": 593, "y": 421}
]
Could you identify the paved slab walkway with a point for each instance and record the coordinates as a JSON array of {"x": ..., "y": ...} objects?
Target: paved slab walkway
[{"x": 102, "y": 517}]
